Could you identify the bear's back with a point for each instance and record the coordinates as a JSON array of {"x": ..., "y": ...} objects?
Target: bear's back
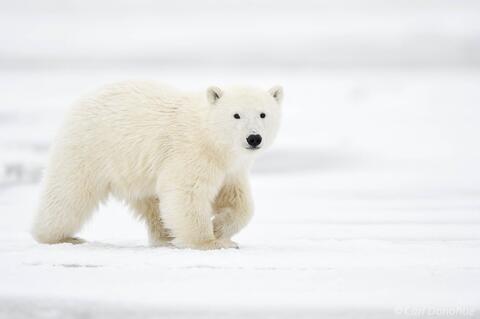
[{"x": 126, "y": 130}]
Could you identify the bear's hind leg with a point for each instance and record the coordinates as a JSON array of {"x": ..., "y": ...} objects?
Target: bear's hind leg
[
  {"x": 65, "y": 206},
  {"x": 148, "y": 210}
]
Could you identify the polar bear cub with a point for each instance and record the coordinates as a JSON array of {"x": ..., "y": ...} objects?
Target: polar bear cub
[{"x": 179, "y": 160}]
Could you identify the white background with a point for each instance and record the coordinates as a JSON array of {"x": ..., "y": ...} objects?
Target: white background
[{"x": 368, "y": 204}]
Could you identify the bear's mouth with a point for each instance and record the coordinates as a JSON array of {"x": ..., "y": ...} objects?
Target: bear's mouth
[{"x": 253, "y": 148}]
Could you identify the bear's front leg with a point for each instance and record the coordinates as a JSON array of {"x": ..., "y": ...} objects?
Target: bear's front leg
[
  {"x": 185, "y": 202},
  {"x": 233, "y": 207}
]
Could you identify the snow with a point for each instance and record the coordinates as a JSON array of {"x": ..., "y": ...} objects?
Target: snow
[
  {"x": 356, "y": 216},
  {"x": 302, "y": 263},
  {"x": 367, "y": 206}
]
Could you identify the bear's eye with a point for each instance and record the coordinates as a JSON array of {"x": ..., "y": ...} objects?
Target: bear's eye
[
  {"x": 236, "y": 115},
  {"x": 262, "y": 115}
]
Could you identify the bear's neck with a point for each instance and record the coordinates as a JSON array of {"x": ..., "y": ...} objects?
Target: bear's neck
[{"x": 224, "y": 156}]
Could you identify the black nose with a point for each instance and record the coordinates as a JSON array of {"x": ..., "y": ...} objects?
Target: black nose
[{"x": 254, "y": 140}]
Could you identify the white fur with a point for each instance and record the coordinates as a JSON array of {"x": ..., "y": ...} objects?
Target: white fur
[{"x": 178, "y": 159}]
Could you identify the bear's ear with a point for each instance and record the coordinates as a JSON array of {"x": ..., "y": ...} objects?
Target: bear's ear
[
  {"x": 213, "y": 94},
  {"x": 277, "y": 93}
]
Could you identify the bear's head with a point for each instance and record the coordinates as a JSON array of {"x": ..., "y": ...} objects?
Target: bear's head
[{"x": 245, "y": 119}]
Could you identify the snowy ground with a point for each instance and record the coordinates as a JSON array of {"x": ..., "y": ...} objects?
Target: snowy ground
[{"x": 368, "y": 206}]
